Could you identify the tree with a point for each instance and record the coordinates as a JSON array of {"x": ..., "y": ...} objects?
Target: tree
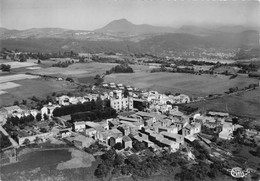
[
  {"x": 99, "y": 81},
  {"x": 51, "y": 124},
  {"x": 37, "y": 140},
  {"x": 97, "y": 76},
  {"x": 45, "y": 116},
  {"x": 26, "y": 141},
  {"x": 118, "y": 146},
  {"x": 119, "y": 160},
  {"x": 39, "y": 117},
  {"x": 138, "y": 146},
  {"x": 126, "y": 93},
  {"x": 5, "y": 67},
  {"x": 102, "y": 170},
  {"x": 24, "y": 102},
  {"x": 16, "y": 103}
]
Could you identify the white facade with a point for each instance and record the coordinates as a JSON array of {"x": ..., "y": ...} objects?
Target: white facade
[
  {"x": 119, "y": 102},
  {"x": 48, "y": 110}
]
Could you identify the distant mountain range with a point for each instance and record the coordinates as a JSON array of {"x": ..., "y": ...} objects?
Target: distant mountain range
[{"x": 124, "y": 36}]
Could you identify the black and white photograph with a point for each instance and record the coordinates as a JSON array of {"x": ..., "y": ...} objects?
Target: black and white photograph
[{"x": 129, "y": 90}]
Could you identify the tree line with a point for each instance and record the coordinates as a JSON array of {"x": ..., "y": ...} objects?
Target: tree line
[
  {"x": 122, "y": 68},
  {"x": 5, "y": 67}
]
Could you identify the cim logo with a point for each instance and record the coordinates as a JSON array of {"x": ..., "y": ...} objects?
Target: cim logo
[{"x": 237, "y": 172}]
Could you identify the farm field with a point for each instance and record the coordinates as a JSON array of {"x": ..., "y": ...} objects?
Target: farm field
[
  {"x": 33, "y": 87},
  {"x": 190, "y": 84},
  {"x": 42, "y": 165},
  {"x": 77, "y": 69},
  {"x": 244, "y": 104},
  {"x": 15, "y": 77},
  {"x": 8, "y": 85},
  {"x": 38, "y": 159},
  {"x": 14, "y": 64}
]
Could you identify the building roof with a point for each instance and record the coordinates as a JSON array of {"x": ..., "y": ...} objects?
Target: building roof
[
  {"x": 128, "y": 119},
  {"x": 79, "y": 123},
  {"x": 222, "y": 114},
  {"x": 167, "y": 142},
  {"x": 172, "y": 135},
  {"x": 91, "y": 124},
  {"x": 126, "y": 138}
]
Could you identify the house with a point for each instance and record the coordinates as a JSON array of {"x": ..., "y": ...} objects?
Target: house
[
  {"x": 126, "y": 142},
  {"x": 23, "y": 135},
  {"x": 81, "y": 141},
  {"x": 174, "y": 137},
  {"x": 227, "y": 131},
  {"x": 218, "y": 114},
  {"x": 170, "y": 129},
  {"x": 63, "y": 100},
  {"x": 181, "y": 123},
  {"x": 105, "y": 85},
  {"x": 191, "y": 129},
  {"x": 172, "y": 145},
  {"x": 65, "y": 133},
  {"x": 8, "y": 111},
  {"x": 119, "y": 102},
  {"x": 110, "y": 137},
  {"x": 48, "y": 110},
  {"x": 79, "y": 126},
  {"x": 91, "y": 132}
]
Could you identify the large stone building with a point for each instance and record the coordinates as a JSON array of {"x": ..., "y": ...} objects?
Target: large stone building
[{"x": 119, "y": 102}]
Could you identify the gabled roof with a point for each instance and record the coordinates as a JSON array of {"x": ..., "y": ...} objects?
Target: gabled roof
[{"x": 126, "y": 138}]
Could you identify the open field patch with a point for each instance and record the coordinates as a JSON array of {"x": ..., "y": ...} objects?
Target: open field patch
[
  {"x": 34, "y": 87},
  {"x": 77, "y": 69},
  {"x": 8, "y": 85},
  {"x": 33, "y": 68},
  {"x": 37, "y": 159},
  {"x": 79, "y": 159},
  {"x": 2, "y": 92},
  {"x": 244, "y": 104},
  {"x": 190, "y": 84},
  {"x": 15, "y": 77},
  {"x": 15, "y": 65}
]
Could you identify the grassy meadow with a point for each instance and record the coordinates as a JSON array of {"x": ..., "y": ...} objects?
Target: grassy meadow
[{"x": 190, "y": 84}]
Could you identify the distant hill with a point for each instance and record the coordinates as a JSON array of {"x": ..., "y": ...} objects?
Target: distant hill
[
  {"x": 181, "y": 41},
  {"x": 59, "y": 44},
  {"x": 124, "y": 26},
  {"x": 124, "y": 36}
]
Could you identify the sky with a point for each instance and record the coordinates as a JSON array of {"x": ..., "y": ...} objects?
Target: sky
[{"x": 93, "y": 14}]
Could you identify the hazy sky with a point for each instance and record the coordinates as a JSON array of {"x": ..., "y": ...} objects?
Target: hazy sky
[{"x": 92, "y": 14}]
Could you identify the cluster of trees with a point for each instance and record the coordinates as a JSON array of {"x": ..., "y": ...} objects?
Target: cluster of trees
[
  {"x": 4, "y": 141},
  {"x": 46, "y": 56},
  {"x": 86, "y": 106},
  {"x": 95, "y": 147},
  {"x": 122, "y": 68},
  {"x": 94, "y": 115},
  {"x": 245, "y": 68},
  {"x": 5, "y": 67},
  {"x": 22, "y": 121},
  {"x": 166, "y": 162},
  {"x": 63, "y": 64},
  {"x": 161, "y": 69},
  {"x": 38, "y": 102},
  {"x": 116, "y": 164},
  {"x": 98, "y": 79}
]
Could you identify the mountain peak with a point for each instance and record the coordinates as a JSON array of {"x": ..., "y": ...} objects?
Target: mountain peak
[{"x": 125, "y": 26}]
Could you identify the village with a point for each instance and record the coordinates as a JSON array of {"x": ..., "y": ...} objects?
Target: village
[{"x": 146, "y": 117}]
